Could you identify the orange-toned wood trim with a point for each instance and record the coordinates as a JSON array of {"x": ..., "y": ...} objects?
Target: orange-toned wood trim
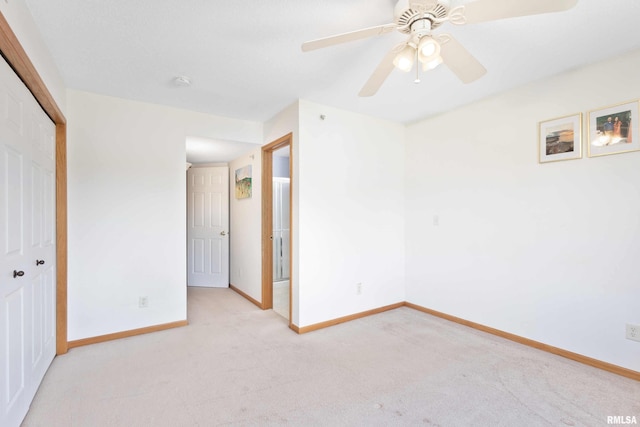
[
  {"x": 315, "y": 327},
  {"x": 244, "y": 295},
  {"x": 267, "y": 221},
  {"x": 17, "y": 58},
  {"x": 62, "y": 345},
  {"x": 294, "y": 328},
  {"x": 291, "y": 230},
  {"x": 531, "y": 343},
  {"x": 126, "y": 334},
  {"x": 267, "y": 229}
]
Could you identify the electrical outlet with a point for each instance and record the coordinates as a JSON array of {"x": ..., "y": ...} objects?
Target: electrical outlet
[
  {"x": 143, "y": 302},
  {"x": 633, "y": 332},
  {"x": 359, "y": 289}
]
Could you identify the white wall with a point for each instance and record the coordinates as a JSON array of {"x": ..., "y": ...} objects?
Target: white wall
[
  {"x": 348, "y": 208},
  {"x": 350, "y": 176},
  {"x": 245, "y": 237},
  {"x": 545, "y": 251},
  {"x": 21, "y": 22},
  {"x": 127, "y": 210}
]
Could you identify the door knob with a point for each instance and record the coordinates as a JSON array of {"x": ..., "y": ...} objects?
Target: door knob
[
  {"x": 223, "y": 233},
  {"x": 17, "y": 273},
  {"x": 39, "y": 261}
]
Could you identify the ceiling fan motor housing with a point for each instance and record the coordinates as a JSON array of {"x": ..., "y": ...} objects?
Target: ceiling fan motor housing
[{"x": 410, "y": 14}]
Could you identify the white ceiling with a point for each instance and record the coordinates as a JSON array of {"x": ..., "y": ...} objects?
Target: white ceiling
[{"x": 244, "y": 57}]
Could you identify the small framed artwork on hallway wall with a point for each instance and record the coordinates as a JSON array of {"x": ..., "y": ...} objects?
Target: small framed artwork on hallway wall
[
  {"x": 560, "y": 139},
  {"x": 243, "y": 182},
  {"x": 614, "y": 130}
]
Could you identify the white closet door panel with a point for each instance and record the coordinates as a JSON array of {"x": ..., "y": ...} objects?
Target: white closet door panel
[
  {"x": 37, "y": 213},
  {"x": 14, "y": 190},
  {"x": 27, "y": 246},
  {"x": 42, "y": 256},
  {"x": 37, "y": 320},
  {"x": 15, "y": 351},
  {"x": 49, "y": 141},
  {"x": 13, "y": 112},
  {"x": 49, "y": 212},
  {"x": 49, "y": 318}
]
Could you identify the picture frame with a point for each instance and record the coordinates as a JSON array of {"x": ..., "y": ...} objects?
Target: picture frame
[
  {"x": 614, "y": 129},
  {"x": 243, "y": 182},
  {"x": 560, "y": 139}
]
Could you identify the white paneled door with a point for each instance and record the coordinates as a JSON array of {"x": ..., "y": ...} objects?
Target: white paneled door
[
  {"x": 208, "y": 227},
  {"x": 27, "y": 246}
]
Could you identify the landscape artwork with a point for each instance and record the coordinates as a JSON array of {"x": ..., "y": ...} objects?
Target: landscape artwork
[
  {"x": 243, "y": 182},
  {"x": 560, "y": 139}
]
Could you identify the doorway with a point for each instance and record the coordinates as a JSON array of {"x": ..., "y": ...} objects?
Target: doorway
[
  {"x": 208, "y": 226},
  {"x": 277, "y": 185}
]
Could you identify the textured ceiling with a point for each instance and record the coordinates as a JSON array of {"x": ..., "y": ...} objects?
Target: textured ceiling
[{"x": 245, "y": 61}]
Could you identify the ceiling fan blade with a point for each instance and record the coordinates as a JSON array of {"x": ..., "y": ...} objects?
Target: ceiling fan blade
[
  {"x": 459, "y": 60},
  {"x": 348, "y": 37},
  {"x": 381, "y": 72},
  {"x": 490, "y": 10}
]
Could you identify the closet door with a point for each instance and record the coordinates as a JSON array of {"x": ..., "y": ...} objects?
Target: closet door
[
  {"x": 42, "y": 249},
  {"x": 27, "y": 246}
]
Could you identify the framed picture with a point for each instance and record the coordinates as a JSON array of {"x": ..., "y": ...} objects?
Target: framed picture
[
  {"x": 243, "y": 182},
  {"x": 614, "y": 130},
  {"x": 560, "y": 139}
]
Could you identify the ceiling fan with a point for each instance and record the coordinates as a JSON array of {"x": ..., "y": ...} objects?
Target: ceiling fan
[{"x": 418, "y": 19}]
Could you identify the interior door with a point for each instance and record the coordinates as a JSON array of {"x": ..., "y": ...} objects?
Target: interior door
[
  {"x": 208, "y": 227},
  {"x": 42, "y": 250},
  {"x": 27, "y": 246}
]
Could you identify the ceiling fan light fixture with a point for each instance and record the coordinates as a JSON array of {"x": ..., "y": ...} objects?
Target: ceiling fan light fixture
[
  {"x": 418, "y": 18},
  {"x": 404, "y": 60},
  {"x": 427, "y": 66},
  {"x": 428, "y": 49}
]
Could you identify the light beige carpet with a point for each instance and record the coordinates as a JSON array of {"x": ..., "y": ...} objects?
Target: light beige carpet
[{"x": 236, "y": 365}]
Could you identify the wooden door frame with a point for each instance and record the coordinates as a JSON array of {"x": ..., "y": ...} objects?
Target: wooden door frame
[
  {"x": 17, "y": 58},
  {"x": 267, "y": 220}
]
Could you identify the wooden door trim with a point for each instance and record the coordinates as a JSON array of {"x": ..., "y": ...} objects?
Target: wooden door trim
[
  {"x": 17, "y": 58},
  {"x": 267, "y": 220}
]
